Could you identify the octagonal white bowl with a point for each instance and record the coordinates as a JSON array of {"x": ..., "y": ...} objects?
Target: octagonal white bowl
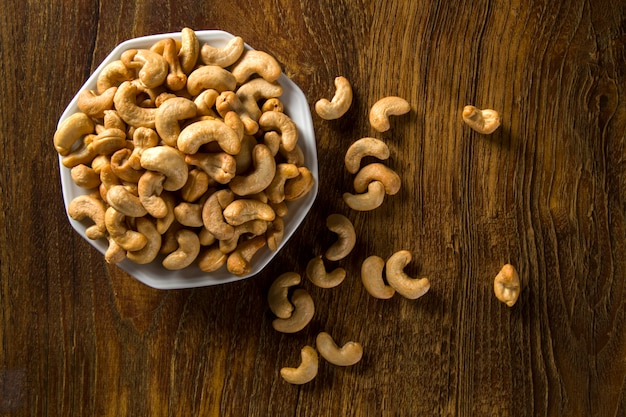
[{"x": 154, "y": 274}]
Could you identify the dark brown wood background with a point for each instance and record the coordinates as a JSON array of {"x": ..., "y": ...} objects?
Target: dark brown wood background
[{"x": 546, "y": 192}]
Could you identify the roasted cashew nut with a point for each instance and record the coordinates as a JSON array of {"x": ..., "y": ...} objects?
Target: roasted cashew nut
[
  {"x": 255, "y": 62},
  {"x": 189, "y": 214},
  {"x": 225, "y": 56},
  {"x": 251, "y": 228},
  {"x": 275, "y": 232},
  {"x": 213, "y": 217},
  {"x": 342, "y": 226},
  {"x": 306, "y": 371},
  {"x": 372, "y": 278},
  {"x": 122, "y": 200},
  {"x": 189, "y": 50},
  {"x": 303, "y": 312},
  {"x": 278, "y": 294},
  {"x": 176, "y": 78},
  {"x": 260, "y": 177},
  {"x": 297, "y": 187},
  {"x": 276, "y": 189},
  {"x": 71, "y": 130},
  {"x": 149, "y": 189},
  {"x": 507, "y": 286},
  {"x": 205, "y": 131},
  {"x": 384, "y": 108},
  {"x": 196, "y": 186},
  {"x": 482, "y": 121},
  {"x": 245, "y": 209},
  {"x": 112, "y": 75},
  {"x": 317, "y": 274},
  {"x": 377, "y": 172},
  {"x": 362, "y": 148},
  {"x": 168, "y": 161},
  {"x": 108, "y": 141},
  {"x": 85, "y": 206},
  {"x": 255, "y": 90},
  {"x": 205, "y": 101},
  {"x": 94, "y": 104},
  {"x": 187, "y": 252},
  {"x": 126, "y": 238},
  {"x": 370, "y": 200},
  {"x": 406, "y": 286},
  {"x": 125, "y": 101},
  {"x": 168, "y": 115},
  {"x": 340, "y": 103},
  {"x": 148, "y": 253},
  {"x": 211, "y": 259},
  {"x": 238, "y": 262},
  {"x": 219, "y": 166},
  {"x": 153, "y": 68},
  {"x": 210, "y": 77},
  {"x": 84, "y": 176},
  {"x": 280, "y": 122},
  {"x": 347, "y": 355}
]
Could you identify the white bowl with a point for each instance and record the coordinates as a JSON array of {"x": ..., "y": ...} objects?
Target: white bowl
[{"x": 154, "y": 274}]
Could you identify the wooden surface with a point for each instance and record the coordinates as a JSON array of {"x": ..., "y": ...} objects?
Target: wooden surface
[{"x": 546, "y": 192}]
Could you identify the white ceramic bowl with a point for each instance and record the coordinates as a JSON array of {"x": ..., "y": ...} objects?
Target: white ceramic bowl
[{"x": 154, "y": 274}]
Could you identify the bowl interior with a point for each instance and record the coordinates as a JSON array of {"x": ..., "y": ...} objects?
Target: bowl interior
[{"x": 154, "y": 274}]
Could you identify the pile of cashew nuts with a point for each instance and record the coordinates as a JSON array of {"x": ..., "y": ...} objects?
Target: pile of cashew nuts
[
  {"x": 185, "y": 152},
  {"x": 293, "y": 305}
]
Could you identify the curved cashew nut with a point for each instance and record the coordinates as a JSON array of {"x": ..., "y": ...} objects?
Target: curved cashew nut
[
  {"x": 199, "y": 133},
  {"x": 114, "y": 253},
  {"x": 256, "y": 62},
  {"x": 93, "y": 104},
  {"x": 189, "y": 50},
  {"x": 187, "y": 252},
  {"x": 238, "y": 262},
  {"x": 299, "y": 186},
  {"x": 276, "y": 189},
  {"x": 108, "y": 141},
  {"x": 148, "y": 253},
  {"x": 84, "y": 176},
  {"x": 278, "y": 294},
  {"x": 482, "y": 121},
  {"x": 197, "y": 184},
  {"x": 210, "y": 77},
  {"x": 112, "y": 75},
  {"x": 317, "y": 274},
  {"x": 125, "y": 202},
  {"x": 227, "y": 102},
  {"x": 275, "y": 232},
  {"x": 372, "y": 278},
  {"x": 123, "y": 166},
  {"x": 149, "y": 189},
  {"x": 71, "y": 130},
  {"x": 347, "y": 355},
  {"x": 167, "y": 117},
  {"x": 260, "y": 177},
  {"x": 342, "y": 226},
  {"x": 340, "y": 103},
  {"x": 143, "y": 138},
  {"x": 83, "y": 154},
  {"x": 168, "y": 161},
  {"x": 213, "y": 217},
  {"x": 126, "y": 105},
  {"x": 153, "y": 68},
  {"x": 219, "y": 166},
  {"x": 377, "y": 172},
  {"x": 164, "y": 223},
  {"x": 370, "y": 200},
  {"x": 384, "y": 108},
  {"x": 128, "y": 239},
  {"x": 406, "y": 286},
  {"x": 189, "y": 214},
  {"x": 506, "y": 285},
  {"x": 303, "y": 312},
  {"x": 362, "y": 148},
  {"x": 251, "y": 228},
  {"x": 211, "y": 259},
  {"x": 306, "y": 371},
  {"x": 85, "y": 206},
  {"x": 176, "y": 78},
  {"x": 246, "y": 209},
  {"x": 205, "y": 102},
  {"x": 225, "y": 56},
  {"x": 273, "y": 120},
  {"x": 253, "y": 91},
  {"x": 272, "y": 104}
]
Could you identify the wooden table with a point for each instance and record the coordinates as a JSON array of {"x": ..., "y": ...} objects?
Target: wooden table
[{"x": 546, "y": 192}]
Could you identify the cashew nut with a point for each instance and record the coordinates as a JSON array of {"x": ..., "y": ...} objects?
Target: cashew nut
[
  {"x": 482, "y": 121},
  {"x": 205, "y": 131},
  {"x": 253, "y": 91},
  {"x": 153, "y": 68},
  {"x": 245, "y": 209},
  {"x": 348, "y": 355},
  {"x": 125, "y": 202},
  {"x": 84, "y": 176},
  {"x": 507, "y": 286},
  {"x": 406, "y": 286},
  {"x": 189, "y": 214},
  {"x": 251, "y": 228},
  {"x": 122, "y": 166},
  {"x": 260, "y": 177},
  {"x": 219, "y": 166},
  {"x": 148, "y": 253},
  {"x": 276, "y": 189},
  {"x": 255, "y": 62},
  {"x": 384, "y": 108},
  {"x": 277, "y": 297},
  {"x": 211, "y": 259},
  {"x": 238, "y": 262},
  {"x": 303, "y": 312},
  {"x": 372, "y": 278},
  {"x": 213, "y": 217},
  {"x": 189, "y": 50},
  {"x": 377, "y": 172},
  {"x": 370, "y": 200},
  {"x": 125, "y": 101},
  {"x": 93, "y": 104},
  {"x": 114, "y": 253},
  {"x": 340, "y": 103},
  {"x": 108, "y": 141},
  {"x": 71, "y": 130},
  {"x": 143, "y": 138},
  {"x": 149, "y": 189},
  {"x": 187, "y": 252},
  {"x": 205, "y": 102},
  {"x": 306, "y": 371},
  {"x": 299, "y": 186},
  {"x": 274, "y": 120},
  {"x": 275, "y": 232},
  {"x": 362, "y": 148},
  {"x": 125, "y": 237},
  {"x": 225, "y": 56},
  {"x": 210, "y": 77},
  {"x": 112, "y": 75},
  {"x": 317, "y": 274},
  {"x": 197, "y": 184},
  {"x": 228, "y": 101},
  {"x": 85, "y": 206},
  {"x": 342, "y": 226},
  {"x": 176, "y": 78},
  {"x": 169, "y": 114},
  {"x": 168, "y": 161},
  {"x": 83, "y": 154}
]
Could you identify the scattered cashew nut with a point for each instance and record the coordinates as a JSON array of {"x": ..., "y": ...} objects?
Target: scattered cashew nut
[
  {"x": 507, "y": 286},
  {"x": 384, "y": 108},
  {"x": 372, "y": 278},
  {"x": 347, "y": 355},
  {"x": 408, "y": 287},
  {"x": 362, "y": 148},
  {"x": 340, "y": 103},
  {"x": 343, "y": 227},
  {"x": 318, "y": 275},
  {"x": 482, "y": 121},
  {"x": 278, "y": 293},
  {"x": 304, "y": 309},
  {"x": 306, "y": 371}
]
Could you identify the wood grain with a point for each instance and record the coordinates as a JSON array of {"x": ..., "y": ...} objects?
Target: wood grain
[{"x": 546, "y": 192}]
